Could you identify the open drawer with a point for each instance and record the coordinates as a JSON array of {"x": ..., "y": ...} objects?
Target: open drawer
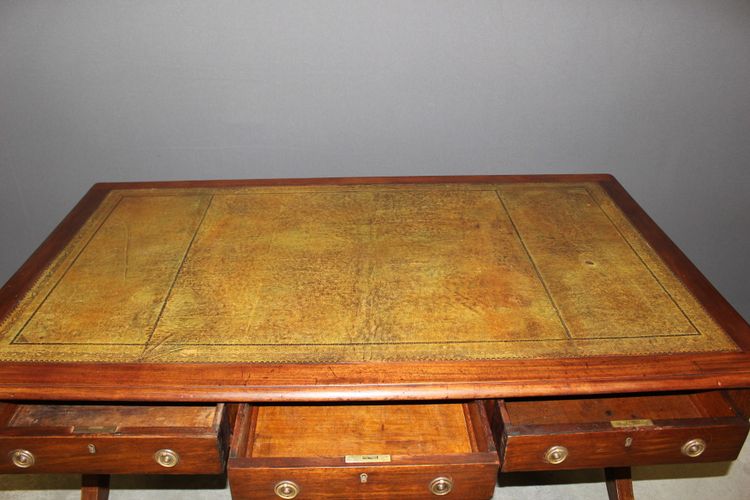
[
  {"x": 113, "y": 439},
  {"x": 362, "y": 451},
  {"x": 574, "y": 433}
]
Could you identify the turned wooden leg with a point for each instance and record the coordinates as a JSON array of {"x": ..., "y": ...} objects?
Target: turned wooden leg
[
  {"x": 619, "y": 483},
  {"x": 94, "y": 487}
]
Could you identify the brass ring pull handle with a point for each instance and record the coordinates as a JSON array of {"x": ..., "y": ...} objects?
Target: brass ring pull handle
[
  {"x": 286, "y": 489},
  {"x": 441, "y": 486},
  {"x": 22, "y": 458},
  {"x": 693, "y": 448},
  {"x": 556, "y": 455},
  {"x": 167, "y": 458}
]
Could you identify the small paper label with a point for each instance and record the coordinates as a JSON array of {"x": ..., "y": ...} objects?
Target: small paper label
[
  {"x": 99, "y": 429},
  {"x": 642, "y": 422},
  {"x": 363, "y": 459}
]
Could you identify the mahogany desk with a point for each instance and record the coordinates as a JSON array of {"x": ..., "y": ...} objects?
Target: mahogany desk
[{"x": 548, "y": 298}]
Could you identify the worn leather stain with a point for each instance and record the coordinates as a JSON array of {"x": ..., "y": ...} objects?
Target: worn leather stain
[{"x": 357, "y": 273}]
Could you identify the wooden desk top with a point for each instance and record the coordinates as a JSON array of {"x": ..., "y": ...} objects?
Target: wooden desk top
[{"x": 362, "y": 289}]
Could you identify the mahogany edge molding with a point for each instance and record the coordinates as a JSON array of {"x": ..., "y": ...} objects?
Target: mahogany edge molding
[
  {"x": 372, "y": 381},
  {"x": 380, "y": 380}
]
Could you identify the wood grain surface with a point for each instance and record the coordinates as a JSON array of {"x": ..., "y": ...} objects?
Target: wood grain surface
[
  {"x": 616, "y": 431},
  {"x": 115, "y": 439},
  {"x": 370, "y": 288},
  {"x": 339, "y": 430},
  {"x": 308, "y": 445}
]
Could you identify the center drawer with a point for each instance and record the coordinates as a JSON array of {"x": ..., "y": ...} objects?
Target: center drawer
[
  {"x": 592, "y": 432},
  {"x": 362, "y": 451},
  {"x": 113, "y": 439}
]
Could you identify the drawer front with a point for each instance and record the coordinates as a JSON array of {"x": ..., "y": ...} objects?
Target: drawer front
[
  {"x": 576, "y": 433},
  {"x": 615, "y": 448},
  {"x": 112, "y": 455},
  {"x": 414, "y": 451},
  {"x": 114, "y": 439},
  {"x": 467, "y": 481}
]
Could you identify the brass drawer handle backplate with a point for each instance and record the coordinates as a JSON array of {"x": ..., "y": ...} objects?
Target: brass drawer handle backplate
[
  {"x": 22, "y": 458},
  {"x": 556, "y": 455},
  {"x": 694, "y": 448},
  {"x": 286, "y": 489},
  {"x": 167, "y": 458},
  {"x": 441, "y": 486}
]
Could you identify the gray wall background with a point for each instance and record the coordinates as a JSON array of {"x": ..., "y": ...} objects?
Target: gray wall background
[{"x": 655, "y": 91}]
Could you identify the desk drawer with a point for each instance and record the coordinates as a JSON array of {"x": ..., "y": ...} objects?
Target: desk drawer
[
  {"x": 574, "y": 433},
  {"x": 363, "y": 451},
  {"x": 113, "y": 439}
]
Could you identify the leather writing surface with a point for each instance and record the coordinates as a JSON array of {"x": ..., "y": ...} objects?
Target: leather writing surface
[{"x": 357, "y": 273}]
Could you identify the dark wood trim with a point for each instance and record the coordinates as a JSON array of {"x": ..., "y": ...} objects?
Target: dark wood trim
[
  {"x": 94, "y": 487},
  {"x": 740, "y": 400},
  {"x": 619, "y": 483},
  {"x": 386, "y": 380},
  {"x": 339, "y": 181},
  {"x": 477, "y": 423},
  {"x": 373, "y": 381},
  {"x": 242, "y": 430}
]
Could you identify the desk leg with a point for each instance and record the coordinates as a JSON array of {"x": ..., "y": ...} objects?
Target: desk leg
[
  {"x": 619, "y": 483},
  {"x": 94, "y": 487}
]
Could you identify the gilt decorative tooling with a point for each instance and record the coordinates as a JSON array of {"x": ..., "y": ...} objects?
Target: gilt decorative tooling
[{"x": 346, "y": 273}]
